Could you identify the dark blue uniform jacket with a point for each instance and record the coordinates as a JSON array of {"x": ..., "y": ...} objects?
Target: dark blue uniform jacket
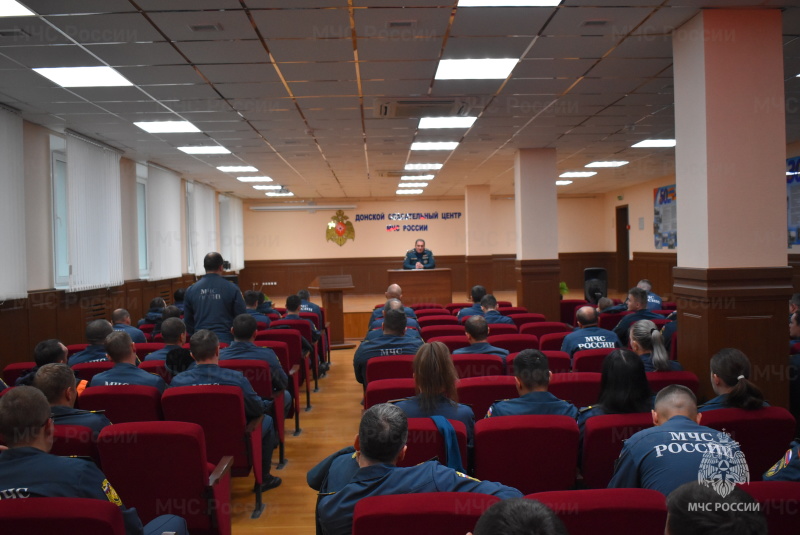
[
  {"x": 128, "y": 374},
  {"x": 533, "y": 403}
]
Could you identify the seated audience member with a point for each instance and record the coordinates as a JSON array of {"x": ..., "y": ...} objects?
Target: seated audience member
[
  {"x": 121, "y": 319},
  {"x": 122, "y": 351},
  {"x": 519, "y": 516},
  {"x": 251, "y": 301},
  {"x": 153, "y": 314},
  {"x": 29, "y": 471},
  {"x": 476, "y": 293},
  {"x": 393, "y": 304},
  {"x": 588, "y": 335},
  {"x": 243, "y": 348},
  {"x": 646, "y": 341},
  {"x": 730, "y": 373},
  {"x": 678, "y": 449},
  {"x": 173, "y": 331},
  {"x": 477, "y": 331},
  {"x": 177, "y": 298},
  {"x": 169, "y": 312},
  {"x": 623, "y": 388},
  {"x": 57, "y": 383},
  {"x": 737, "y": 513},
  {"x": 637, "y": 303},
  {"x": 372, "y": 471},
  {"x": 205, "y": 351},
  {"x": 532, "y": 376},
  {"x": 393, "y": 341},
  {"x": 293, "y": 313},
  {"x": 179, "y": 360},
  {"x": 392, "y": 292},
  {"x": 489, "y": 308},
  {"x": 265, "y": 306},
  {"x": 605, "y": 305},
  {"x": 435, "y": 381},
  {"x": 307, "y": 306},
  {"x": 96, "y": 332},
  {"x": 376, "y": 333},
  {"x": 787, "y": 468},
  {"x": 45, "y": 352},
  {"x": 653, "y": 300}
]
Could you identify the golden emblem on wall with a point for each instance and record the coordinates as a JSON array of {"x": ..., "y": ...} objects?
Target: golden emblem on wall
[{"x": 340, "y": 229}]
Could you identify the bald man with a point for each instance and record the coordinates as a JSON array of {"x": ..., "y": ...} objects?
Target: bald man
[
  {"x": 678, "y": 449},
  {"x": 392, "y": 292}
]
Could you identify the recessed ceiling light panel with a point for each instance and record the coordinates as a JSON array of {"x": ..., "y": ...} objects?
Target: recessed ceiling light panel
[
  {"x": 166, "y": 127},
  {"x": 423, "y": 166},
  {"x": 563, "y": 182},
  {"x": 207, "y": 149},
  {"x": 11, "y": 8},
  {"x": 434, "y": 145},
  {"x": 446, "y": 122},
  {"x": 84, "y": 76},
  {"x": 577, "y": 174},
  {"x": 412, "y": 185},
  {"x": 475, "y": 69},
  {"x": 254, "y": 179},
  {"x": 408, "y": 192},
  {"x": 508, "y": 3},
  {"x": 654, "y": 143},
  {"x": 416, "y": 177},
  {"x": 607, "y": 164},
  {"x": 237, "y": 169}
]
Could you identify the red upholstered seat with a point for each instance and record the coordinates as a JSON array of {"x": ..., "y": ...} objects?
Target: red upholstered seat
[
  {"x": 567, "y": 309},
  {"x": 434, "y": 331},
  {"x": 552, "y": 341},
  {"x": 529, "y": 453},
  {"x": 439, "y": 311},
  {"x": 443, "y": 513},
  {"x": 142, "y": 350},
  {"x": 521, "y": 319},
  {"x": 420, "y": 306},
  {"x": 87, "y": 370},
  {"x": 74, "y": 440},
  {"x": 75, "y": 348},
  {"x": 514, "y": 343},
  {"x": 311, "y": 363},
  {"x": 15, "y": 370},
  {"x": 455, "y": 307},
  {"x": 603, "y": 436},
  {"x": 293, "y": 339},
  {"x": 540, "y": 328},
  {"x": 475, "y": 365},
  {"x": 72, "y": 516},
  {"x": 659, "y": 380},
  {"x": 440, "y": 319},
  {"x": 124, "y": 403},
  {"x": 452, "y": 342},
  {"x": 385, "y": 390},
  {"x": 557, "y": 361},
  {"x": 590, "y": 360},
  {"x": 502, "y": 328},
  {"x": 763, "y": 434},
  {"x": 480, "y": 392},
  {"x": 158, "y": 367},
  {"x": 608, "y": 511},
  {"x": 507, "y": 311},
  {"x": 609, "y": 321},
  {"x": 292, "y": 369},
  {"x": 425, "y": 442},
  {"x": 390, "y": 367},
  {"x": 579, "y": 388},
  {"x": 219, "y": 410},
  {"x": 132, "y": 449},
  {"x": 779, "y": 503}
]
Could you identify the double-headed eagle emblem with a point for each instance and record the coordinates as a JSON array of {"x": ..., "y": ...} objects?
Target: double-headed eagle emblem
[{"x": 340, "y": 229}]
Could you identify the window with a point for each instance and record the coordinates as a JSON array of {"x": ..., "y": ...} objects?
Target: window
[
  {"x": 60, "y": 220},
  {"x": 141, "y": 219}
]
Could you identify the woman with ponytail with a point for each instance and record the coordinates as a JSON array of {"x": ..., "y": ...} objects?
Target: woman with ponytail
[
  {"x": 730, "y": 379},
  {"x": 647, "y": 342}
]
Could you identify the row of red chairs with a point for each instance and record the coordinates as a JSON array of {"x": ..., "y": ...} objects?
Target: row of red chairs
[
  {"x": 579, "y": 388},
  {"x": 437, "y": 318},
  {"x": 506, "y": 336}
]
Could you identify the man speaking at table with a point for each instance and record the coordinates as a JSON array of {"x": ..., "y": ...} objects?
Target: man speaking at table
[{"x": 419, "y": 257}]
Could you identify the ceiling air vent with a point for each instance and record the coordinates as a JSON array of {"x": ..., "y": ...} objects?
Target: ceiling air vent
[
  {"x": 594, "y": 23},
  {"x": 402, "y": 108},
  {"x": 206, "y": 27},
  {"x": 14, "y": 32}
]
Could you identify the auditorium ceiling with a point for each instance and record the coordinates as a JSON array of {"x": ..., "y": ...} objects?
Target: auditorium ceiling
[{"x": 324, "y": 96}]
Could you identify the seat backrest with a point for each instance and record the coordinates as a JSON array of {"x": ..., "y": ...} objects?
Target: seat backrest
[
  {"x": 158, "y": 367},
  {"x": 608, "y": 511},
  {"x": 87, "y": 370},
  {"x": 503, "y": 328},
  {"x": 507, "y": 311},
  {"x": 443, "y": 513},
  {"x": 540, "y": 328},
  {"x": 529, "y": 453},
  {"x": 557, "y": 361},
  {"x": 176, "y": 451},
  {"x": 590, "y": 360},
  {"x": 452, "y": 342},
  {"x": 659, "y": 380},
  {"x": 75, "y": 348},
  {"x": 384, "y": 390},
  {"x": 433, "y": 331},
  {"x": 422, "y": 305},
  {"x": 293, "y": 340},
  {"x": 72, "y": 516},
  {"x": 142, "y": 350},
  {"x": 15, "y": 370},
  {"x": 603, "y": 436},
  {"x": 474, "y": 365},
  {"x": 219, "y": 410},
  {"x": 74, "y": 440},
  {"x": 426, "y": 442},
  {"x": 455, "y": 307},
  {"x": 300, "y": 325},
  {"x": 552, "y": 341},
  {"x": 147, "y": 328},
  {"x": 390, "y": 367},
  {"x": 311, "y": 316},
  {"x": 514, "y": 342},
  {"x": 425, "y": 321},
  {"x": 256, "y": 371},
  {"x": 609, "y": 321},
  {"x": 480, "y": 392},
  {"x": 762, "y": 434},
  {"x": 579, "y": 388},
  {"x": 280, "y": 348},
  {"x": 778, "y": 501},
  {"x": 425, "y": 312},
  {"x": 124, "y": 403},
  {"x": 567, "y": 309}
]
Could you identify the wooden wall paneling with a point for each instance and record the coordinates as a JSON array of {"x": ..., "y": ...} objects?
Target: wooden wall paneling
[
  {"x": 657, "y": 267},
  {"x": 14, "y": 321},
  {"x": 42, "y": 317},
  {"x": 794, "y": 263},
  {"x": 504, "y": 277},
  {"x": 356, "y": 325},
  {"x": 573, "y": 264},
  {"x": 537, "y": 287}
]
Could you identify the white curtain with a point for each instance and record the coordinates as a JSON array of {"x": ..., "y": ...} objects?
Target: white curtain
[
  {"x": 202, "y": 224},
  {"x": 163, "y": 223},
  {"x": 14, "y": 282},
  {"x": 231, "y": 231},
  {"x": 95, "y": 220}
]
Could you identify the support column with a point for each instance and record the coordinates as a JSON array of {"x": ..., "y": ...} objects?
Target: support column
[
  {"x": 537, "y": 268},
  {"x": 732, "y": 281},
  {"x": 478, "y": 211}
]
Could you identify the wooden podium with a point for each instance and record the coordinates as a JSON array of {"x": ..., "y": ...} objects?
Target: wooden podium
[
  {"x": 423, "y": 285},
  {"x": 331, "y": 288}
]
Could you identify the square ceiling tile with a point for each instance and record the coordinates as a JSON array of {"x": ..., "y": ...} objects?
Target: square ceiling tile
[
  {"x": 50, "y": 56},
  {"x": 137, "y": 54},
  {"x": 423, "y": 49},
  {"x": 117, "y": 28},
  {"x": 256, "y": 72},
  {"x": 229, "y": 25},
  {"x": 205, "y": 52},
  {"x": 311, "y": 50},
  {"x": 304, "y": 23}
]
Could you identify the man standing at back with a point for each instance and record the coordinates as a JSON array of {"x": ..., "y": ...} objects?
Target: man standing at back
[{"x": 212, "y": 302}]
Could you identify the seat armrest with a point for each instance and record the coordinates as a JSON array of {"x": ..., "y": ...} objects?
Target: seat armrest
[
  {"x": 295, "y": 369},
  {"x": 253, "y": 424},
  {"x": 223, "y": 467}
]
